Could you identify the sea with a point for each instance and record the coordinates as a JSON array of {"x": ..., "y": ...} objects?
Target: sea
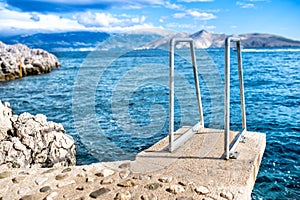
[{"x": 116, "y": 103}]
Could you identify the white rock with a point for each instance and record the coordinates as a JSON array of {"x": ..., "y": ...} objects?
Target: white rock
[
  {"x": 123, "y": 196},
  {"x": 149, "y": 196},
  {"x": 106, "y": 181},
  {"x": 165, "y": 179},
  {"x": 124, "y": 173},
  {"x": 33, "y": 141},
  {"x": 227, "y": 195},
  {"x": 40, "y": 180},
  {"x": 202, "y": 190},
  {"x": 23, "y": 190},
  {"x": 65, "y": 183},
  {"x": 51, "y": 196},
  {"x": 105, "y": 173},
  {"x": 175, "y": 189}
]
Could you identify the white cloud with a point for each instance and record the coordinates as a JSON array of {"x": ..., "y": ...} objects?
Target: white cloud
[
  {"x": 259, "y": 0},
  {"x": 63, "y": 6},
  {"x": 173, "y": 6},
  {"x": 15, "y": 22},
  {"x": 211, "y": 27},
  {"x": 179, "y": 25},
  {"x": 245, "y": 5},
  {"x": 100, "y": 19},
  {"x": 202, "y": 15},
  {"x": 179, "y": 15},
  {"x": 90, "y": 19},
  {"x": 196, "y": 14},
  {"x": 189, "y": 1}
]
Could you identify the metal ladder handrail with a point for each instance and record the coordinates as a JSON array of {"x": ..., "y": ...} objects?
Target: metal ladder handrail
[
  {"x": 174, "y": 144},
  {"x": 229, "y": 149}
]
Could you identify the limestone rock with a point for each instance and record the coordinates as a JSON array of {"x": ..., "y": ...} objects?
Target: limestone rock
[
  {"x": 27, "y": 140},
  {"x": 5, "y": 123},
  {"x": 18, "y": 60}
]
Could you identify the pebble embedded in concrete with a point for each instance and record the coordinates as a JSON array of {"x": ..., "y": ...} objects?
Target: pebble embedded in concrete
[
  {"x": 124, "y": 174},
  {"x": 127, "y": 183},
  {"x": 18, "y": 179},
  {"x": 51, "y": 196},
  {"x": 123, "y": 196},
  {"x": 167, "y": 179},
  {"x": 61, "y": 176},
  {"x": 45, "y": 189},
  {"x": 153, "y": 186},
  {"x": 149, "y": 196},
  {"x": 202, "y": 190},
  {"x": 66, "y": 170},
  {"x": 227, "y": 195},
  {"x": 175, "y": 189},
  {"x": 107, "y": 181},
  {"x": 5, "y": 174},
  {"x": 105, "y": 173},
  {"x": 185, "y": 198},
  {"x": 65, "y": 183},
  {"x": 40, "y": 180},
  {"x": 27, "y": 197},
  {"x": 95, "y": 194}
]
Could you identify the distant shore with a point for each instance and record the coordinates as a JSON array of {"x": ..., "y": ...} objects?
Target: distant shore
[{"x": 18, "y": 60}]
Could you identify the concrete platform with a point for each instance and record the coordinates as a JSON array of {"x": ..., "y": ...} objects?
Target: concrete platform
[
  {"x": 195, "y": 171},
  {"x": 201, "y": 161}
]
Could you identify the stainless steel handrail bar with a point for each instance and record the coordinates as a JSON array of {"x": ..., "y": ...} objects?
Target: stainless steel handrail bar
[
  {"x": 229, "y": 149},
  {"x": 175, "y": 144}
]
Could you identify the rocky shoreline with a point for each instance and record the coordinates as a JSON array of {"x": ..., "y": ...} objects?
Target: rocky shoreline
[{"x": 17, "y": 61}]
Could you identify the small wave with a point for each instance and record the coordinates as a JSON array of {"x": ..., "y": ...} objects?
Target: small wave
[
  {"x": 271, "y": 50},
  {"x": 74, "y": 49}
]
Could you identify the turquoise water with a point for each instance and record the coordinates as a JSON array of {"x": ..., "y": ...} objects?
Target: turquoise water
[{"x": 96, "y": 85}]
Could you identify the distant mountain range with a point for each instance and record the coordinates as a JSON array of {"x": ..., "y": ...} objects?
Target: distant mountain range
[
  {"x": 205, "y": 39},
  {"x": 141, "y": 40}
]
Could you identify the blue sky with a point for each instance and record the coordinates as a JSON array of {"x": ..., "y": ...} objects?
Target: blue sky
[{"x": 281, "y": 17}]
